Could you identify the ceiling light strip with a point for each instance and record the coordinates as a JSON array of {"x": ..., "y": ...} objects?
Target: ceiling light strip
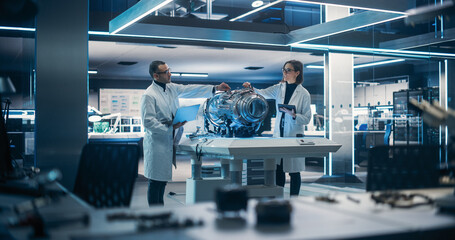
[
  {"x": 185, "y": 39},
  {"x": 130, "y": 16},
  {"x": 362, "y": 65},
  {"x": 338, "y": 26},
  {"x": 344, "y": 5},
  {"x": 378, "y": 63},
  {"x": 311, "y": 2},
  {"x": 255, "y": 10},
  {"x": 193, "y": 74},
  {"x": 408, "y": 53},
  {"x": 17, "y": 28},
  {"x": 315, "y": 66}
]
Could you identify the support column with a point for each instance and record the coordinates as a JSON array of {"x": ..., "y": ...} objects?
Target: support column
[
  {"x": 61, "y": 85},
  {"x": 339, "y": 103}
]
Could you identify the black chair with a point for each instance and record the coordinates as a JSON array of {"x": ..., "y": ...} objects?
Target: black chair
[
  {"x": 107, "y": 174},
  {"x": 403, "y": 167}
]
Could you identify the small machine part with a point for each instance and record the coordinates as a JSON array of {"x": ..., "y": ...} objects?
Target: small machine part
[
  {"x": 237, "y": 113},
  {"x": 231, "y": 200},
  {"x": 401, "y": 200},
  {"x": 273, "y": 212},
  {"x": 150, "y": 222},
  {"x": 326, "y": 199},
  {"x": 131, "y": 216}
]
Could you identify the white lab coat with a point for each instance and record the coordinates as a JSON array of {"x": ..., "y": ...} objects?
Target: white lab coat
[
  {"x": 157, "y": 108},
  {"x": 301, "y": 99}
]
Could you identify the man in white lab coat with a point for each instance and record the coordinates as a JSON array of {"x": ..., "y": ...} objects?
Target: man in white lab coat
[{"x": 158, "y": 107}]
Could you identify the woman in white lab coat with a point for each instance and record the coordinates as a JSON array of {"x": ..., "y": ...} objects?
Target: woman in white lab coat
[{"x": 289, "y": 122}]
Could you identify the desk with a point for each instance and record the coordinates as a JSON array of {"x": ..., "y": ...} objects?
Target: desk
[
  {"x": 310, "y": 220},
  {"x": 233, "y": 151}
]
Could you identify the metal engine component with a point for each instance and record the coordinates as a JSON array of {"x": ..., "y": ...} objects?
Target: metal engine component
[{"x": 236, "y": 113}]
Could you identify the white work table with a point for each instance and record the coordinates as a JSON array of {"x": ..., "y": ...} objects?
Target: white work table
[{"x": 232, "y": 152}]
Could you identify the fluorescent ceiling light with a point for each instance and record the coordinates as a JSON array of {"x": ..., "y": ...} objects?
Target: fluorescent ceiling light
[
  {"x": 186, "y": 39},
  {"x": 255, "y": 10},
  {"x": 309, "y": 2},
  {"x": 315, "y": 66},
  {"x": 299, "y": 34},
  {"x": 364, "y": 50},
  {"x": 256, "y": 4},
  {"x": 135, "y": 8},
  {"x": 362, "y": 65},
  {"x": 17, "y": 28},
  {"x": 378, "y": 63},
  {"x": 341, "y": 5},
  {"x": 92, "y": 71},
  {"x": 193, "y": 74},
  {"x": 94, "y": 118}
]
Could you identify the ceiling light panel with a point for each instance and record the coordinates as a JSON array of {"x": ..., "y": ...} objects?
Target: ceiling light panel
[{"x": 135, "y": 13}]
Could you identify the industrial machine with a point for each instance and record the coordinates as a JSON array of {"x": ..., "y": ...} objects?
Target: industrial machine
[{"x": 237, "y": 113}]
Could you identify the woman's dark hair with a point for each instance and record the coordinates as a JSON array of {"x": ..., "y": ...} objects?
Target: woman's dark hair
[
  {"x": 154, "y": 66},
  {"x": 298, "y": 66}
]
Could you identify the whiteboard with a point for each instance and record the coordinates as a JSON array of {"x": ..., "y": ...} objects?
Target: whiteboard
[{"x": 124, "y": 101}]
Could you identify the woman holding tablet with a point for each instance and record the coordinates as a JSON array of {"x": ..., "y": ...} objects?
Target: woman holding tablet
[{"x": 293, "y": 102}]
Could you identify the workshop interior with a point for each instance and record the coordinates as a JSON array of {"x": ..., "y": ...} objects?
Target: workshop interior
[{"x": 377, "y": 153}]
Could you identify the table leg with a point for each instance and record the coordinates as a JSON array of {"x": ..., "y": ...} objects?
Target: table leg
[
  {"x": 196, "y": 167},
  {"x": 235, "y": 170},
  {"x": 269, "y": 172},
  {"x": 224, "y": 168}
]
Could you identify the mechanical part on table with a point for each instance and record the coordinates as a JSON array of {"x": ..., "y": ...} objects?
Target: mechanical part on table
[
  {"x": 237, "y": 113},
  {"x": 273, "y": 212},
  {"x": 401, "y": 200},
  {"x": 36, "y": 186},
  {"x": 155, "y": 221},
  {"x": 231, "y": 200},
  {"x": 327, "y": 199}
]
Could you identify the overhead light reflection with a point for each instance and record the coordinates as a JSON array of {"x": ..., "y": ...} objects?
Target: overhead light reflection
[
  {"x": 192, "y": 74},
  {"x": 256, "y": 4}
]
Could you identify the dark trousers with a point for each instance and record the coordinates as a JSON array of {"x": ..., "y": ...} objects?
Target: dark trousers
[
  {"x": 155, "y": 192},
  {"x": 296, "y": 179}
]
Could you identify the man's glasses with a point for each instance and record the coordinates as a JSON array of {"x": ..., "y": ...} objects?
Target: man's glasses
[
  {"x": 287, "y": 70},
  {"x": 165, "y": 72}
]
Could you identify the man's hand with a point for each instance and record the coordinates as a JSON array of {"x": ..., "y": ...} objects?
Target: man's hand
[
  {"x": 246, "y": 85},
  {"x": 223, "y": 87},
  {"x": 178, "y": 125}
]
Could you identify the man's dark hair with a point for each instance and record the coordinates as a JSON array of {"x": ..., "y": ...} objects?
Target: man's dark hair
[
  {"x": 298, "y": 66},
  {"x": 153, "y": 68}
]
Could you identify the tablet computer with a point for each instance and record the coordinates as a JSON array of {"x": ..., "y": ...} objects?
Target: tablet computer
[
  {"x": 188, "y": 113},
  {"x": 290, "y": 107}
]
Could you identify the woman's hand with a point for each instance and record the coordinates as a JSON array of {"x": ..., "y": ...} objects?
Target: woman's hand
[{"x": 288, "y": 111}]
